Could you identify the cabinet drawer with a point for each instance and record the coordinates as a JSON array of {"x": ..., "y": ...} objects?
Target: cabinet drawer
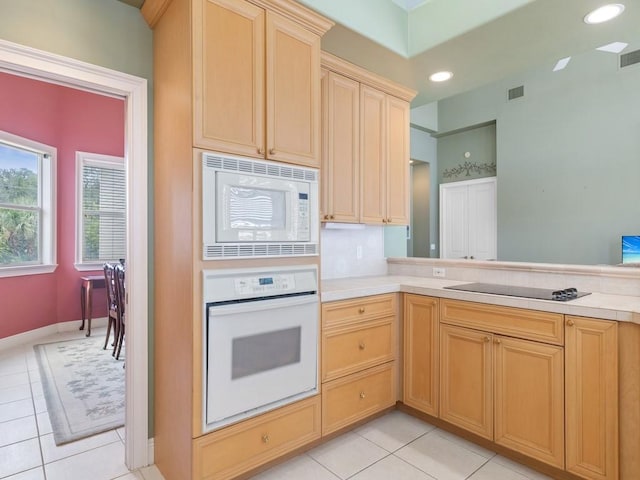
[
  {"x": 357, "y": 396},
  {"x": 357, "y": 310},
  {"x": 348, "y": 350},
  {"x": 226, "y": 453},
  {"x": 514, "y": 322}
]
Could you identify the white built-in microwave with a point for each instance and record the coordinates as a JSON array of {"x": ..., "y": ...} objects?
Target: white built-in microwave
[{"x": 257, "y": 208}]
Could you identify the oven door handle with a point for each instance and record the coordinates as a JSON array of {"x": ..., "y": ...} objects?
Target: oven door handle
[{"x": 260, "y": 305}]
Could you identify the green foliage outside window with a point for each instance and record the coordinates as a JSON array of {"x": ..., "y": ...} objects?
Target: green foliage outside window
[{"x": 19, "y": 236}]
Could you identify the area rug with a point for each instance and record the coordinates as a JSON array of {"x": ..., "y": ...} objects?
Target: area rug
[{"x": 83, "y": 387}]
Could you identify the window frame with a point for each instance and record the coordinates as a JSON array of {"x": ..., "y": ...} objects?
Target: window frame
[
  {"x": 100, "y": 160},
  {"x": 46, "y": 204}
]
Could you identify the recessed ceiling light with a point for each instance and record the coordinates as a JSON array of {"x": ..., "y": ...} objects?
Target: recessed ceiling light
[
  {"x": 562, "y": 63},
  {"x": 604, "y": 13},
  {"x": 440, "y": 76},
  {"x": 615, "y": 47}
]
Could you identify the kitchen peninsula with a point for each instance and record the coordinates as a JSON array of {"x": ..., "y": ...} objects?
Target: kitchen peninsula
[{"x": 571, "y": 365}]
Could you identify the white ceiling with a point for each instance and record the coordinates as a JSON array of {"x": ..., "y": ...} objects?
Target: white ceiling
[{"x": 409, "y": 5}]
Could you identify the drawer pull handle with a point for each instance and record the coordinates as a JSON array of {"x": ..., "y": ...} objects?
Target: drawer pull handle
[
  {"x": 361, "y": 345},
  {"x": 265, "y": 438},
  {"x": 486, "y": 339},
  {"x": 570, "y": 323},
  {"x": 361, "y": 310},
  {"x": 362, "y": 395}
]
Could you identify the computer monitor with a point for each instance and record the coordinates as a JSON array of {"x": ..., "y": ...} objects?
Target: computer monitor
[{"x": 631, "y": 249}]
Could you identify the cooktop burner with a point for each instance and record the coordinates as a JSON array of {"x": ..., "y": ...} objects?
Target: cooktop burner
[{"x": 526, "y": 292}]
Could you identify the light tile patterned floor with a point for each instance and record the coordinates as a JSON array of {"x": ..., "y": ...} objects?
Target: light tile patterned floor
[{"x": 396, "y": 446}]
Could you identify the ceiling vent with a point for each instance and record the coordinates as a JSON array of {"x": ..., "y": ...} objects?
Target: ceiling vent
[
  {"x": 516, "y": 92},
  {"x": 630, "y": 58}
]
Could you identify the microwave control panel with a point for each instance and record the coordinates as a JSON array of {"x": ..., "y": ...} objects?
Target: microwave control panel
[{"x": 260, "y": 285}]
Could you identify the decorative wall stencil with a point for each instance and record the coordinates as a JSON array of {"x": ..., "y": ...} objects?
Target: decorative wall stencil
[{"x": 470, "y": 167}]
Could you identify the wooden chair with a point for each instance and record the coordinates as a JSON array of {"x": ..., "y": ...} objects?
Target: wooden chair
[
  {"x": 121, "y": 300},
  {"x": 112, "y": 304}
]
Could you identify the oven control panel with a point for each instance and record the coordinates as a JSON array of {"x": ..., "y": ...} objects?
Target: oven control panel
[
  {"x": 260, "y": 285},
  {"x": 240, "y": 284}
]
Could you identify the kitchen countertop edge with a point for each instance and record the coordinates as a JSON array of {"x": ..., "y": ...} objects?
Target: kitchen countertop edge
[{"x": 622, "y": 308}]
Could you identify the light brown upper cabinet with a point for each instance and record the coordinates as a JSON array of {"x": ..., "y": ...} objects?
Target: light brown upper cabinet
[
  {"x": 256, "y": 83},
  {"x": 385, "y": 158},
  {"x": 365, "y": 146},
  {"x": 341, "y": 148}
]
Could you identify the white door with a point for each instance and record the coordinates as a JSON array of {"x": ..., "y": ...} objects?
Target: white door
[{"x": 468, "y": 219}]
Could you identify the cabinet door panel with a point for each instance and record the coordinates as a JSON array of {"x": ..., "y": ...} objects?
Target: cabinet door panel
[
  {"x": 397, "y": 161},
  {"x": 229, "y": 77},
  {"x": 293, "y": 92},
  {"x": 341, "y": 158},
  {"x": 529, "y": 398},
  {"x": 592, "y": 398},
  {"x": 373, "y": 146},
  {"x": 466, "y": 384},
  {"x": 421, "y": 353}
]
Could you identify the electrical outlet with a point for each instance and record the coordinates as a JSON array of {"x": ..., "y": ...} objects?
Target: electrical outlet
[
  {"x": 359, "y": 252},
  {"x": 439, "y": 272}
]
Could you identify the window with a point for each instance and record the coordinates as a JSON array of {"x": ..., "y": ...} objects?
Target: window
[
  {"x": 27, "y": 206},
  {"x": 101, "y": 209}
]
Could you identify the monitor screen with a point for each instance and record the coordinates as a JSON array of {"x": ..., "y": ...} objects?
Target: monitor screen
[{"x": 631, "y": 249}]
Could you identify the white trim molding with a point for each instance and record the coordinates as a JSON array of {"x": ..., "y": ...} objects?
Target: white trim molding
[{"x": 52, "y": 68}]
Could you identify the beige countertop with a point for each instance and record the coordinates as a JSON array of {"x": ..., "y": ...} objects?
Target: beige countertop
[{"x": 622, "y": 308}]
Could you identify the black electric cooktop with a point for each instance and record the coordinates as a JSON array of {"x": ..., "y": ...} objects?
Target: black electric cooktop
[{"x": 563, "y": 295}]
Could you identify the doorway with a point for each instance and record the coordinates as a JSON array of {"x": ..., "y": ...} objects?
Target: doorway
[{"x": 48, "y": 67}]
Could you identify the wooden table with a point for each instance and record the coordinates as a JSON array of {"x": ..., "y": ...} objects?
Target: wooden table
[{"x": 86, "y": 293}]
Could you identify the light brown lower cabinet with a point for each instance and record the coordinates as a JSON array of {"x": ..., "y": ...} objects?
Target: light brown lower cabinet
[
  {"x": 421, "y": 353},
  {"x": 231, "y": 451},
  {"x": 504, "y": 389},
  {"x": 357, "y": 396},
  {"x": 591, "y": 397}
]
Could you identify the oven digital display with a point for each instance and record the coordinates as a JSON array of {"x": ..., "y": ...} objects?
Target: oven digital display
[{"x": 265, "y": 281}]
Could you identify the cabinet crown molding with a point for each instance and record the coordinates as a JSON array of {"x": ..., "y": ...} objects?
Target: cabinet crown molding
[
  {"x": 294, "y": 11},
  {"x": 152, "y": 10},
  {"x": 348, "y": 69}
]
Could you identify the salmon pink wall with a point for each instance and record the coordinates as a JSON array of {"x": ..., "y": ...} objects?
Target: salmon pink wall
[{"x": 70, "y": 120}]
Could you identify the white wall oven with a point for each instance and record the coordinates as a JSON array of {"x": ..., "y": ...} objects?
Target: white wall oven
[
  {"x": 260, "y": 341},
  {"x": 256, "y": 208}
]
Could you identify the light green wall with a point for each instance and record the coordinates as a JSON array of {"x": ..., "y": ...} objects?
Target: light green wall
[
  {"x": 425, "y": 33},
  {"x": 395, "y": 241},
  {"x": 379, "y": 20},
  {"x": 102, "y": 32},
  {"x": 479, "y": 143},
  {"x": 568, "y": 159}
]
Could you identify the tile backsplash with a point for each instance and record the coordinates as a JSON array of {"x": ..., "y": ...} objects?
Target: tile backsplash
[{"x": 342, "y": 246}]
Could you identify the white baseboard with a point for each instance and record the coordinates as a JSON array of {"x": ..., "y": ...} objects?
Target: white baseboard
[
  {"x": 31, "y": 336},
  {"x": 151, "y": 449}
]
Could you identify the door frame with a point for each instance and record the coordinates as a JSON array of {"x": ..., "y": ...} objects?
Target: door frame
[{"x": 26, "y": 61}]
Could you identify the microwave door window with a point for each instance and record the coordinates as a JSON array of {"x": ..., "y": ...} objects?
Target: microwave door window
[{"x": 252, "y": 214}]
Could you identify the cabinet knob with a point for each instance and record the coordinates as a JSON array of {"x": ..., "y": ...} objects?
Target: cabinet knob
[
  {"x": 384, "y": 220},
  {"x": 570, "y": 323},
  {"x": 497, "y": 341},
  {"x": 389, "y": 220},
  {"x": 326, "y": 217},
  {"x": 260, "y": 151},
  {"x": 471, "y": 257},
  {"x": 362, "y": 395},
  {"x": 361, "y": 345},
  {"x": 487, "y": 339},
  {"x": 272, "y": 151},
  {"x": 332, "y": 217},
  {"x": 265, "y": 438},
  {"x": 361, "y": 310}
]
